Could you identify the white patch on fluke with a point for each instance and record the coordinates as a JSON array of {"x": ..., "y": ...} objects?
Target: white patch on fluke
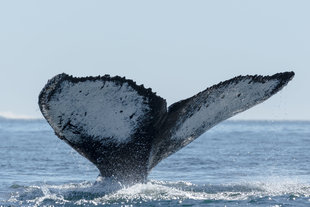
[
  {"x": 101, "y": 109},
  {"x": 216, "y": 105}
]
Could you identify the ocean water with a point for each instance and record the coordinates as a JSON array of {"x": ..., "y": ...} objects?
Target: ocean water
[{"x": 237, "y": 163}]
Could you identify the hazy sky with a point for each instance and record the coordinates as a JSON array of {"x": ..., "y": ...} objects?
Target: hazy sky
[{"x": 178, "y": 48}]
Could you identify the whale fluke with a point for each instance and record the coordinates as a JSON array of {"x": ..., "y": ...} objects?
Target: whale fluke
[{"x": 126, "y": 129}]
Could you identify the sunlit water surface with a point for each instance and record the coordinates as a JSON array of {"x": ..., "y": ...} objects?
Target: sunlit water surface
[{"x": 237, "y": 163}]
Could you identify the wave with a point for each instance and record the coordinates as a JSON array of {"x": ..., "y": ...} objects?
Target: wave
[{"x": 157, "y": 193}]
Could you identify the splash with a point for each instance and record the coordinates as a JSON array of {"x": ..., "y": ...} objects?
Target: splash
[{"x": 158, "y": 193}]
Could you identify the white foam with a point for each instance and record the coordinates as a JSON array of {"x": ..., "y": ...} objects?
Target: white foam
[{"x": 86, "y": 193}]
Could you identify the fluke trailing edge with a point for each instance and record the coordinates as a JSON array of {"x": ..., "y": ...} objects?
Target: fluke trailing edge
[{"x": 126, "y": 130}]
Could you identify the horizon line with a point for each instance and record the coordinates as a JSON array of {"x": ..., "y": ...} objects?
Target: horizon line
[{"x": 29, "y": 118}]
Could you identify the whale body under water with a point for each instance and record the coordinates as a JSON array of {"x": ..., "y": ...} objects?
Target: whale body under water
[{"x": 125, "y": 130}]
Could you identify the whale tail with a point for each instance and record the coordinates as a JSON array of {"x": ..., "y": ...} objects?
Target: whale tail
[{"x": 126, "y": 129}]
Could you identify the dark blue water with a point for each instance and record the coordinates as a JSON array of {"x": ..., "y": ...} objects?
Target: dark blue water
[{"x": 237, "y": 163}]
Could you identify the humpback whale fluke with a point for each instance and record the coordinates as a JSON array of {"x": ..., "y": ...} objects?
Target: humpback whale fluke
[{"x": 126, "y": 129}]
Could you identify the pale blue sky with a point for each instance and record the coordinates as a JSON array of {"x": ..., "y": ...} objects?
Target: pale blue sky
[{"x": 178, "y": 48}]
